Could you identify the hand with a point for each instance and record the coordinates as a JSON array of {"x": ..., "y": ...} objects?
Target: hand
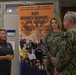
[
  {"x": 9, "y": 57},
  {"x": 53, "y": 59}
]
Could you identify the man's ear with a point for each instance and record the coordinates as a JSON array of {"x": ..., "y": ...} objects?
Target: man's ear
[{"x": 70, "y": 21}]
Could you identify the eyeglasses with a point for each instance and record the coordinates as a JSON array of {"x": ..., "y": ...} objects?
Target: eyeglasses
[{"x": 65, "y": 20}]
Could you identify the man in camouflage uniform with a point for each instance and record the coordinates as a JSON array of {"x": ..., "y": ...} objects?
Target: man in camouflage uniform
[
  {"x": 52, "y": 41},
  {"x": 66, "y": 57}
]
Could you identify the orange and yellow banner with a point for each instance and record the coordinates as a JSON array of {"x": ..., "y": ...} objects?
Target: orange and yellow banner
[{"x": 34, "y": 20}]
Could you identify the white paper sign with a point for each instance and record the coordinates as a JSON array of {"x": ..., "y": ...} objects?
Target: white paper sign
[{"x": 13, "y": 44}]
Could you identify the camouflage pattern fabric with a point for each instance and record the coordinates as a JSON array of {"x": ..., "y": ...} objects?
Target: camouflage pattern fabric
[
  {"x": 66, "y": 56},
  {"x": 52, "y": 41}
]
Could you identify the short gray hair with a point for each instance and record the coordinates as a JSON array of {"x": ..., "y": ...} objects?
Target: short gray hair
[{"x": 71, "y": 15}]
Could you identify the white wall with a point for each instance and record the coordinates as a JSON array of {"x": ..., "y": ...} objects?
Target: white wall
[{"x": 11, "y": 23}]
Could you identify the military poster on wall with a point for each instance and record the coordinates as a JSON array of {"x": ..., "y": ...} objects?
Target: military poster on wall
[{"x": 34, "y": 23}]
